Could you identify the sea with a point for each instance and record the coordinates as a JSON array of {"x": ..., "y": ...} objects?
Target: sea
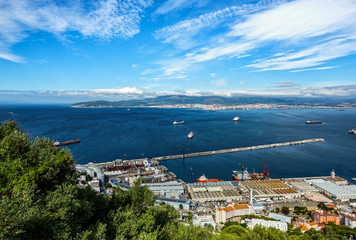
[{"x": 107, "y": 134}]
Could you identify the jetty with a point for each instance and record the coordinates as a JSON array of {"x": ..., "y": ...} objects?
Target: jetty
[{"x": 230, "y": 150}]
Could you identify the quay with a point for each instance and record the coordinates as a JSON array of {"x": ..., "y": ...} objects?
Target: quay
[{"x": 231, "y": 150}]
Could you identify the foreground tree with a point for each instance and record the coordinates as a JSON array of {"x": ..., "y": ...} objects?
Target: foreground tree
[{"x": 39, "y": 199}]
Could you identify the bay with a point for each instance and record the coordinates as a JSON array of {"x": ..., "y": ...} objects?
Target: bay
[{"x": 107, "y": 134}]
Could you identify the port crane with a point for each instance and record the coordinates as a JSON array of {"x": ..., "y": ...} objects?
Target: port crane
[{"x": 265, "y": 171}]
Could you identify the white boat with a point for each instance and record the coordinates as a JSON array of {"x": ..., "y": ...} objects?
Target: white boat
[
  {"x": 177, "y": 123},
  {"x": 190, "y": 135},
  {"x": 353, "y": 179},
  {"x": 236, "y": 119}
]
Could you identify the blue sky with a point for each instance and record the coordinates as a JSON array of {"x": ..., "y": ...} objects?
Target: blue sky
[{"x": 71, "y": 50}]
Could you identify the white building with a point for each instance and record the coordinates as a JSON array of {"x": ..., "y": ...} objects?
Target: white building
[
  {"x": 349, "y": 220},
  {"x": 267, "y": 224},
  {"x": 232, "y": 213},
  {"x": 167, "y": 189},
  {"x": 258, "y": 207},
  {"x": 280, "y": 217},
  {"x": 343, "y": 193},
  {"x": 203, "y": 220}
]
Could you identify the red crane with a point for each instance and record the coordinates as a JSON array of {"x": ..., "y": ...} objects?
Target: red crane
[{"x": 265, "y": 171}]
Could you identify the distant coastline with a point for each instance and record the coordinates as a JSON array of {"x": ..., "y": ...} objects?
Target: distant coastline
[{"x": 223, "y": 103}]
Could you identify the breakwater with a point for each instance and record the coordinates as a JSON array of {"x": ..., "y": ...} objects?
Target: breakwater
[{"x": 230, "y": 150}]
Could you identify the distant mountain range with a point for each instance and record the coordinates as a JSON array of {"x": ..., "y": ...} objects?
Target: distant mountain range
[{"x": 223, "y": 101}]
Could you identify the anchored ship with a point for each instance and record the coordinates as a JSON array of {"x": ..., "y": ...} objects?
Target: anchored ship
[
  {"x": 236, "y": 119},
  {"x": 313, "y": 122},
  {"x": 204, "y": 179},
  {"x": 177, "y": 123},
  {"x": 245, "y": 175},
  {"x": 58, "y": 144},
  {"x": 190, "y": 135}
]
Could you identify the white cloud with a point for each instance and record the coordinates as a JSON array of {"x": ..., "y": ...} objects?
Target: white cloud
[
  {"x": 308, "y": 34},
  {"x": 212, "y": 75},
  {"x": 136, "y": 93},
  {"x": 171, "y": 5},
  {"x": 207, "y": 20},
  {"x": 125, "y": 90},
  {"x": 11, "y": 57},
  {"x": 298, "y": 20},
  {"x": 285, "y": 84},
  {"x": 309, "y": 57},
  {"x": 218, "y": 82},
  {"x": 228, "y": 50},
  {"x": 313, "y": 69},
  {"x": 105, "y": 20}
]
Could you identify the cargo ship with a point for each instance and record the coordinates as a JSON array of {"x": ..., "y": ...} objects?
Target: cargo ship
[
  {"x": 58, "y": 144},
  {"x": 204, "y": 179},
  {"x": 352, "y": 131},
  {"x": 245, "y": 175},
  {"x": 313, "y": 122},
  {"x": 236, "y": 119},
  {"x": 177, "y": 123},
  {"x": 190, "y": 135}
]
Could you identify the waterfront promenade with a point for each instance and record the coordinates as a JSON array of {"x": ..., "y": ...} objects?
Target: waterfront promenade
[{"x": 230, "y": 150}]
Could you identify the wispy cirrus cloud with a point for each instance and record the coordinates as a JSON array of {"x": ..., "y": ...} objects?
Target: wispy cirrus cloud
[
  {"x": 192, "y": 26},
  {"x": 105, "y": 19},
  {"x": 171, "y": 5},
  {"x": 321, "y": 30},
  {"x": 309, "y": 33}
]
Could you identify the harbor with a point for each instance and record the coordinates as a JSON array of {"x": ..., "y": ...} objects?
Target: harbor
[{"x": 214, "y": 152}]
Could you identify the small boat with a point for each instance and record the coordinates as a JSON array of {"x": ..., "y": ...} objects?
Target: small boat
[
  {"x": 353, "y": 179},
  {"x": 236, "y": 119},
  {"x": 313, "y": 122},
  {"x": 352, "y": 131},
  {"x": 340, "y": 109},
  {"x": 58, "y": 144},
  {"x": 190, "y": 135},
  {"x": 177, "y": 123},
  {"x": 204, "y": 179}
]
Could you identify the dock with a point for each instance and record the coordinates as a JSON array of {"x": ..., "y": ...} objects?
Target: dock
[{"x": 230, "y": 150}]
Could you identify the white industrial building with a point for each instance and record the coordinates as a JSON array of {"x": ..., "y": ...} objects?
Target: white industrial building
[
  {"x": 280, "y": 217},
  {"x": 213, "y": 191},
  {"x": 342, "y": 193},
  {"x": 167, "y": 189}
]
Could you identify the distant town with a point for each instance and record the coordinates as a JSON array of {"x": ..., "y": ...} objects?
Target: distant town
[{"x": 224, "y": 103}]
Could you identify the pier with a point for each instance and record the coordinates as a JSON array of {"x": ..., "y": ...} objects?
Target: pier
[{"x": 230, "y": 150}]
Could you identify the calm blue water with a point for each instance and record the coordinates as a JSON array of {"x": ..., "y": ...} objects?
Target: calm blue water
[{"x": 111, "y": 133}]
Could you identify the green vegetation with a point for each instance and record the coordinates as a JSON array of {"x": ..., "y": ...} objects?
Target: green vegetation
[
  {"x": 39, "y": 199},
  {"x": 300, "y": 210},
  {"x": 285, "y": 210}
]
